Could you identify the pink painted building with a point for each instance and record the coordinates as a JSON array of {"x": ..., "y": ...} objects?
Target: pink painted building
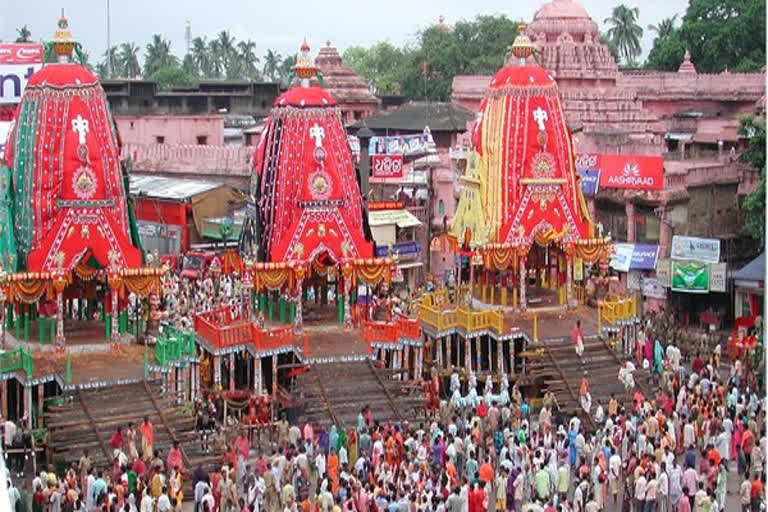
[{"x": 173, "y": 130}]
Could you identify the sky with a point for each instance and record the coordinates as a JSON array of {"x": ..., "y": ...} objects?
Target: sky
[{"x": 273, "y": 25}]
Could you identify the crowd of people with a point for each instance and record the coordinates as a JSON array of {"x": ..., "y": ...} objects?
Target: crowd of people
[{"x": 674, "y": 451}]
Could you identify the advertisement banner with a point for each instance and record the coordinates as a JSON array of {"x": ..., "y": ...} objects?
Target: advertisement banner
[
  {"x": 387, "y": 166},
  {"x": 409, "y": 145},
  {"x": 403, "y": 249},
  {"x": 622, "y": 257},
  {"x": 644, "y": 257},
  {"x": 717, "y": 277},
  {"x": 589, "y": 181},
  {"x": 634, "y": 280},
  {"x": 18, "y": 62},
  {"x": 690, "y": 277},
  {"x": 588, "y": 161},
  {"x": 578, "y": 269},
  {"x": 690, "y": 248},
  {"x": 635, "y": 172},
  {"x": 664, "y": 273},
  {"x": 653, "y": 288}
]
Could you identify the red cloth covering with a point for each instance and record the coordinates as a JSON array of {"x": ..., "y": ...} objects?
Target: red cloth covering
[
  {"x": 532, "y": 192},
  {"x": 310, "y": 200},
  {"x": 74, "y": 200}
]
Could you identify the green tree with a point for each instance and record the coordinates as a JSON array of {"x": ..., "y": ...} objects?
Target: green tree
[
  {"x": 129, "y": 60},
  {"x": 246, "y": 51},
  {"x": 24, "y": 35},
  {"x": 381, "y": 66},
  {"x": 664, "y": 27},
  {"x": 271, "y": 68},
  {"x": 173, "y": 76},
  {"x": 719, "y": 34},
  {"x": 112, "y": 60},
  {"x": 625, "y": 32},
  {"x": 158, "y": 55},
  {"x": 201, "y": 56},
  {"x": 725, "y": 33},
  {"x": 667, "y": 54},
  {"x": 226, "y": 53},
  {"x": 286, "y": 69},
  {"x": 753, "y": 207}
]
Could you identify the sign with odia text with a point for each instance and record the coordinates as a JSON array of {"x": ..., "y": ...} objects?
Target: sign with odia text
[{"x": 387, "y": 166}]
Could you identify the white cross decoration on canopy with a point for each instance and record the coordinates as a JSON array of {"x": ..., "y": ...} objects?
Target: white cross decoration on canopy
[
  {"x": 540, "y": 116},
  {"x": 317, "y": 132},
  {"x": 80, "y": 127}
]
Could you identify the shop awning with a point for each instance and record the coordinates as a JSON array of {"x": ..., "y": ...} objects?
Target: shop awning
[
  {"x": 752, "y": 271},
  {"x": 682, "y": 137},
  {"x": 628, "y": 257},
  {"x": 403, "y": 218}
]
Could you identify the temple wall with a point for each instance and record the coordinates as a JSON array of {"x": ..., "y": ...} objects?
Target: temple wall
[{"x": 724, "y": 86}]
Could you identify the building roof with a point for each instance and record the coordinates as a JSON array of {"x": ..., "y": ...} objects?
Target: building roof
[
  {"x": 752, "y": 271},
  {"x": 415, "y": 115},
  {"x": 171, "y": 189}
]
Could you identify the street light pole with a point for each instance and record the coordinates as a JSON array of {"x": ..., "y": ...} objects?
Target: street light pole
[{"x": 109, "y": 45}]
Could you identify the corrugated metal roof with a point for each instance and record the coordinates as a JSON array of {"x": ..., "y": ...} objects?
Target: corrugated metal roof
[
  {"x": 752, "y": 271},
  {"x": 173, "y": 189}
]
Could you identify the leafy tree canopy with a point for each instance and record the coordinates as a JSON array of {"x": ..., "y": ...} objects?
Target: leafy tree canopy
[
  {"x": 719, "y": 34},
  {"x": 753, "y": 207}
]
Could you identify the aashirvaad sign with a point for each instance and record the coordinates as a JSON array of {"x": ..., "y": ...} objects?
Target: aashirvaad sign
[
  {"x": 638, "y": 172},
  {"x": 18, "y": 62}
]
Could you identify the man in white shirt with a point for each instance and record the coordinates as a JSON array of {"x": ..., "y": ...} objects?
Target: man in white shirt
[
  {"x": 614, "y": 475},
  {"x": 640, "y": 484},
  {"x": 663, "y": 489},
  {"x": 163, "y": 503},
  {"x": 201, "y": 488}
]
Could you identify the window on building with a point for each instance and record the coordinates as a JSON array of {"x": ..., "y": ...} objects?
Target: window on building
[
  {"x": 160, "y": 139},
  {"x": 202, "y": 140},
  {"x": 441, "y": 207}
]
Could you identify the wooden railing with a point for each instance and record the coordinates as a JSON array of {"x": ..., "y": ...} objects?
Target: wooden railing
[
  {"x": 617, "y": 309},
  {"x": 17, "y": 359},
  {"x": 390, "y": 332},
  {"x": 224, "y": 327},
  {"x": 173, "y": 344},
  {"x": 461, "y": 317},
  {"x": 580, "y": 294}
]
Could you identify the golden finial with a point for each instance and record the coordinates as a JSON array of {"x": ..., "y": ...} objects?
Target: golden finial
[{"x": 522, "y": 47}]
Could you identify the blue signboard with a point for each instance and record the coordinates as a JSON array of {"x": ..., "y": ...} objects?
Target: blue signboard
[
  {"x": 401, "y": 248},
  {"x": 644, "y": 257},
  {"x": 589, "y": 181}
]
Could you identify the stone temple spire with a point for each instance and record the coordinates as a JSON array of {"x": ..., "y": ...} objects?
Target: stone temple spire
[{"x": 687, "y": 66}]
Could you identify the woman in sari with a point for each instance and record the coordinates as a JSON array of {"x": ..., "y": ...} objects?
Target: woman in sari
[
  {"x": 333, "y": 471},
  {"x": 352, "y": 450}
]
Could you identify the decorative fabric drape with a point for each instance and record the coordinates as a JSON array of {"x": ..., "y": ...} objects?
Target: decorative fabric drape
[
  {"x": 373, "y": 274},
  {"x": 272, "y": 279},
  {"x": 590, "y": 253},
  {"x": 85, "y": 272},
  {"x": 140, "y": 285},
  {"x": 30, "y": 290},
  {"x": 499, "y": 259}
]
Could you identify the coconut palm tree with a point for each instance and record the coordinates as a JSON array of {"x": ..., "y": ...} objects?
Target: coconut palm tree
[
  {"x": 202, "y": 57},
  {"x": 271, "y": 68},
  {"x": 226, "y": 51},
  {"x": 217, "y": 63},
  {"x": 158, "y": 55},
  {"x": 286, "y": 69},
  {"x": 113, "y": 62},
  {"x": 625, "y": 32},
  {"x": 248, "y": 59},
  {"x": 24, "y": 35},
  {"x": 664, "y": 27},
  {"x": 129, "y": 60}
]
